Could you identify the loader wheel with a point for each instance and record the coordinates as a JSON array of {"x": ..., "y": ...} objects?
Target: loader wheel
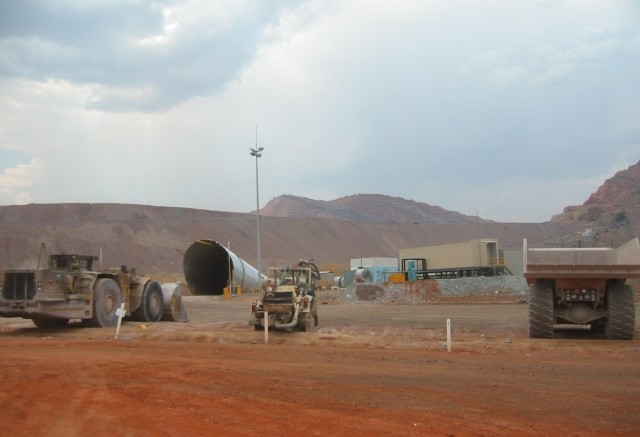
[
  {"x": 106, "y": 301},
  {"x": 50, "y": 323},
  {"x": 152, "y": 304},
  {"x": 621, "y": 321},
  {"x": 540, "y": 311}
]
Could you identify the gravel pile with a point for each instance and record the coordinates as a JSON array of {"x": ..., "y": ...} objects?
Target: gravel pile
[
  {"x": 472, "y": 290},
  {"x": 484, "y": 286}
]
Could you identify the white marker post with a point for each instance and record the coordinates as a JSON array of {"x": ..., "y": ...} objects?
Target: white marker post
[
  {"x": 120, "y": 312},
  {"x": 266, "y": 327},
  {"x": 448, "y": 335}
]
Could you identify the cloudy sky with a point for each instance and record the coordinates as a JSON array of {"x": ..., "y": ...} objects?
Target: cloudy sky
[{"x": 513, "y": 109}]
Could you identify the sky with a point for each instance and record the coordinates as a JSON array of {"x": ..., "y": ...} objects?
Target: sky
[{"x": 507, "y": 109}]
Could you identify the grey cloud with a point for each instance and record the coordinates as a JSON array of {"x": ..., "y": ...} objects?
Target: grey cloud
[
  {"x": 93, "y": 44},
  {"x": 85, "y": 24}
]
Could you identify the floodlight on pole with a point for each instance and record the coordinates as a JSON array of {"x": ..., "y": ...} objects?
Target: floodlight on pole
[{"x": 257, "y": 152}]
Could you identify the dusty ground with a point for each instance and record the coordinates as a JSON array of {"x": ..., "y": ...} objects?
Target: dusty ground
[{"x": 368, "y": 369}]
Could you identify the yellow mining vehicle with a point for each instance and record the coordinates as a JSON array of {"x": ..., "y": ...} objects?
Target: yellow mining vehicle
[
  {"x": 73, "y": 287},
  {"x": 289, "y": 299}
]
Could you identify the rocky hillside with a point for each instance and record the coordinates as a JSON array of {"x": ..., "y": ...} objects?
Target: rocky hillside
[
  {"x": 154, "y": 239},
  {"x": 368, "y": 208},
  {"x": 611, "y": 215}
]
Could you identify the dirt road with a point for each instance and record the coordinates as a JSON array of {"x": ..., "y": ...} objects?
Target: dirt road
[{"x": 368, "y": 369}]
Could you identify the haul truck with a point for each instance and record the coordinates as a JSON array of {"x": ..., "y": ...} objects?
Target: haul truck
[
  {"x": 70, "y": 287},
  {"x": 582, "y": 286}
]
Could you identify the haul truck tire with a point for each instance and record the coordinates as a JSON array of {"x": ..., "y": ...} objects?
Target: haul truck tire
[
  {"x": 152, "y": 304},
  {"x": 107, "y": 298},
  {"x": 50, "y": 323},
  {"x": 540, "y": 311},
  {"x": 621, "y": 320}
]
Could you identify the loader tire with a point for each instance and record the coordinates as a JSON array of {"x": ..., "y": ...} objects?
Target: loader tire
[
  {"x": 50, "y": 323},
  {"x": 540, "y": 311},
  {"x": 621, "y": 321},
  {"x": 107, "y": 298},
  {"x": 152, "y": 304}
]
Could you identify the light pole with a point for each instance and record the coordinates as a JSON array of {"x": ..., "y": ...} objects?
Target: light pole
[{"x": 257, "y": 152}]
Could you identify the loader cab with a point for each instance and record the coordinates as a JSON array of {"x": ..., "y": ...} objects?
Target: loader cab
[{"x": 71, "y": 262}]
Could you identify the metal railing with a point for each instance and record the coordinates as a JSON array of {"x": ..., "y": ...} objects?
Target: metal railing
[{"x": 496, "y": 261}]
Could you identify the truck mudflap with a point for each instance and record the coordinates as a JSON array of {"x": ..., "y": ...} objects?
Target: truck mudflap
[
  {"x": 293, "y": 322},
  {"x": 173, "y": 309}
]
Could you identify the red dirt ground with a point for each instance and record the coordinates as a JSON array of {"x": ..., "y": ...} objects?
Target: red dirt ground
[{"x": 368, "y": 369}]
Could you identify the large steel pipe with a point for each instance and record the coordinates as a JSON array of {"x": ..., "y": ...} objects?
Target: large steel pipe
[
  {"x": 173, "y": 310},
  {"x": 209, "y": 267}
]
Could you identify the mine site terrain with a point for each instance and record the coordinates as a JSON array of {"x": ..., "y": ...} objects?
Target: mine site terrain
[
  {"x": 378, "y": 362},
  {"x": 368, "y": 369}
]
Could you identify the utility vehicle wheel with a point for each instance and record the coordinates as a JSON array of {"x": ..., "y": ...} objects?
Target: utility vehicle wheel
[
  {"x": 152, "y": 304},
  {"x": 314, "y": 309},
  {"x": 540, "y": 311},
  {"x": 622, "y": 316},
  {"x": 106, "y": 301},
  {"x": 51, "y": 323},
  {"x": 258, "y": 327},
  {"x": 307, "y": 324}
]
